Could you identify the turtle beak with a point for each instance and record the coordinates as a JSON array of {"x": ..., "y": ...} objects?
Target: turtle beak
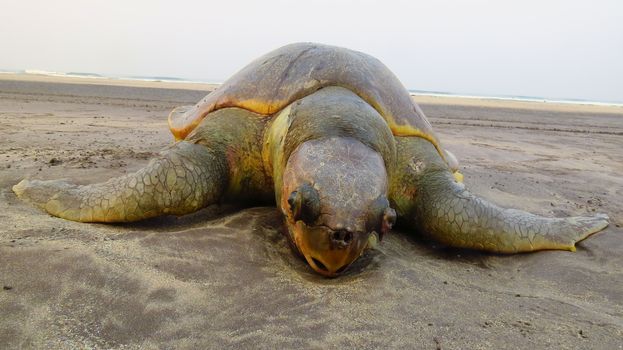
[{"x": 329, "y": 252}]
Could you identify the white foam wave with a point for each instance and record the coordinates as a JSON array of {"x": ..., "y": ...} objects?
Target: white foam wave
[{"x": 518, "y": 98}]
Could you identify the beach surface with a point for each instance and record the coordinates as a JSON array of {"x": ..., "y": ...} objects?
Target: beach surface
[{"x": 225, "y": 277}]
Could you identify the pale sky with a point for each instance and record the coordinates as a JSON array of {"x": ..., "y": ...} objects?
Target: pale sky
[{"x": 551, "y": 49}]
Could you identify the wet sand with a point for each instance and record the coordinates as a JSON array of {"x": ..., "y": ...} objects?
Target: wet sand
[{"x": 226, "y": 277}]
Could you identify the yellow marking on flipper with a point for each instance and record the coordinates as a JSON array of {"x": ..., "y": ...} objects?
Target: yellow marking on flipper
[
  {"x": 372, "y": 241},
  {"x": 458, "y": 176}
]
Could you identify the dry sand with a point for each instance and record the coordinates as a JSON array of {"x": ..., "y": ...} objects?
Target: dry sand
[{"x": 226, "y": 278}]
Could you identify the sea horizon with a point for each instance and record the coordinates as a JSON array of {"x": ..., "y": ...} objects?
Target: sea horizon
[{"x": 413, "y": 92}]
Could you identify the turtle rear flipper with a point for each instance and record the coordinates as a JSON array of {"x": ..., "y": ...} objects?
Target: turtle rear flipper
[
  {"x": 182, "y": 179},
  {"x": 442, "y": 208}
]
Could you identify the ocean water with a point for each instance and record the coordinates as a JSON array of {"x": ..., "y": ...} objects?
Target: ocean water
[
  {"x": 104, "y": 77},
  {"x": 413, "y": 92},
  {"x": 517, "y": 98}
]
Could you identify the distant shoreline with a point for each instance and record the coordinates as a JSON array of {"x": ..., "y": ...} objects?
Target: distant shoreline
[
  {"x": 422, "y": 97},
  {"x": 83, "y": 78},
  {"x": 516, "y": 98}
]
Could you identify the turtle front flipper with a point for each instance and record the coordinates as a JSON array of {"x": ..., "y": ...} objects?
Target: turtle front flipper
[
  {"x": 185, "y": 177},
  {"x": 428, "y": 195}
]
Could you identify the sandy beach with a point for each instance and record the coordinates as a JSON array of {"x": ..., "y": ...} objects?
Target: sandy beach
[{"x": 225, "y": 277}]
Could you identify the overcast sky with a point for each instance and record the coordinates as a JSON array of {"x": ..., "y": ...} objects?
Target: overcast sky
[{"x": 551, "y": 49}]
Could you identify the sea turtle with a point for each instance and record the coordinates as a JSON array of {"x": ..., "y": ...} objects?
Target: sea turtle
[{"x": 334, "y": 139}]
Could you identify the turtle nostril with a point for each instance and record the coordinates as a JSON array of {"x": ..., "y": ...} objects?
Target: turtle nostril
[
  {"x": 320, "y": 265},
  {"x": 343, "y": 237},
  {"x": 348, "y": 236}
]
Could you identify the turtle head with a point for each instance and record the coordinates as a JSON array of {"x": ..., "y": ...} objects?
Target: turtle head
[{"x": 334, "y": 197}]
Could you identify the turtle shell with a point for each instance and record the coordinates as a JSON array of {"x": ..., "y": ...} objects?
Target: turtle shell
[{"x": 273, "y": 81}]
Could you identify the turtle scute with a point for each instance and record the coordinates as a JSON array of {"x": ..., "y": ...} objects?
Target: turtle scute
[{"x": 275, "y": 80}]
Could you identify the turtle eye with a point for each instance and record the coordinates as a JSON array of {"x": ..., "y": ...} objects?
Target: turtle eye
[
  {"x": 381, "y": 218},
  {"x": 304, "y": 204},
  {"x": 387, "y": 222}
]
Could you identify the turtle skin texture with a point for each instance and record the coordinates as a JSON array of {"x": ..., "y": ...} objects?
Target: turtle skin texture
[{"x": 333, "y": 139}]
